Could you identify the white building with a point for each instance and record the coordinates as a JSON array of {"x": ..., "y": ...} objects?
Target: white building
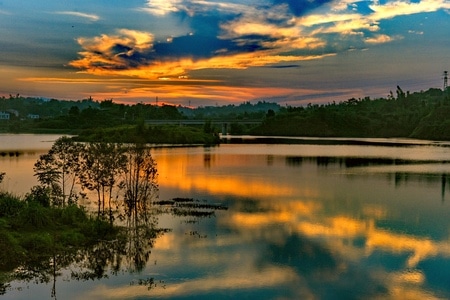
[
  {"x": 4, "y": 115},
  {"x": 32, "y": 116}
]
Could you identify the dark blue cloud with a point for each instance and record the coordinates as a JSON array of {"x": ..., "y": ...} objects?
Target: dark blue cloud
[
  {"x": 195, "y": 46},
  {"x": 201, "y": 46},
  {"x": 284, "y": 66},
  {"x": 300, "y": 7}
]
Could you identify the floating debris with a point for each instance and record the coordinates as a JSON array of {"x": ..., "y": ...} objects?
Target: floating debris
[{"x": 185, "y": 207}]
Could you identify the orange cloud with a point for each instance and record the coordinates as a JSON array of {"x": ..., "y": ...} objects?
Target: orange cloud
[
  {"x": 101, "y": 58},
  {"x": 380, "y": 39}
]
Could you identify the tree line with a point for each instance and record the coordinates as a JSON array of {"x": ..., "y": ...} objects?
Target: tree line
[{"x": 423, "y": 115}]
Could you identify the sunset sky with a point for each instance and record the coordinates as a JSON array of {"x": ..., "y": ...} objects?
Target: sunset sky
[{"x": 203, "y": 53}]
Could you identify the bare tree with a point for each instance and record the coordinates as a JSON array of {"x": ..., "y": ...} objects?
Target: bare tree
[{"x": 140, "y": 180}]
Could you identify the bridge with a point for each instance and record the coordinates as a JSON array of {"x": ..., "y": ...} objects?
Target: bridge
[{"x": 225, "y": 124}]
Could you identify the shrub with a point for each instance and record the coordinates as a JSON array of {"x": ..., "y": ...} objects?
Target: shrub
[
  {"x": 33, "y": 216},
  {"x": 40, "y": 195},
  {"x": 10, "y": 206},
  {"x": 73, "y": 214}
]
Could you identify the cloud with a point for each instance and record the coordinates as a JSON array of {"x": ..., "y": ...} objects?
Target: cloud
[
  {"x": 135, "y": 53},
  {"x": 163, "y": 7},
  {"x": 114, "y": 52},
  {"x": 380, "y": 39},
  {"x": 90, "y": 17},
  {"x": 237, "y": 36},
  {"x": 400, "y": 8}
]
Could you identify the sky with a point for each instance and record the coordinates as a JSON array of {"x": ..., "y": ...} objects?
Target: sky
[{"x": 201, "y": 53}]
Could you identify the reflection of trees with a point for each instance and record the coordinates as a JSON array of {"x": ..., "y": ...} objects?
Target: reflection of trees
[
  {"x": 140, "y": 238},
  {"x": 129, "y": 252}
]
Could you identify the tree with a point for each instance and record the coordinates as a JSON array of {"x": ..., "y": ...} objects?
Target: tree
[
  {"x": 101, "y": 166},
  {"x": 58, "y": 169},
  {"x": 140, "y": 181}
]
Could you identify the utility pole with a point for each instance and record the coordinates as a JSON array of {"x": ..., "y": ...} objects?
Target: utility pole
[{"x": 445, "y": 80}]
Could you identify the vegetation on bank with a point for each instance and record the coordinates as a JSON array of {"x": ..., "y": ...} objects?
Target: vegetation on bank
[
  {"x": 47, "y": 230},
  {"x": 423, "y": 115},
  {"x": 32, "y": 232},
  {"x": 47, "y": 226},
  {"x": 89, "y": 119},
  {"x": 167, "y": 134}
]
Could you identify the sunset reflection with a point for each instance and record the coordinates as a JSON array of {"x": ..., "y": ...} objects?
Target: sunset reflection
[
  {"x": 186, "y": 172},
  {"x": 294, "y": 227},
  {"x": 293, "y": 204}
]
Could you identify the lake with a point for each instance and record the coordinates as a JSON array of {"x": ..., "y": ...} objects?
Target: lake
[{"x": 304, "y": 219}]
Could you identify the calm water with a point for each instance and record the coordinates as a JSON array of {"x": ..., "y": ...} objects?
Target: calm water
[{"x": 316, "y": 219}]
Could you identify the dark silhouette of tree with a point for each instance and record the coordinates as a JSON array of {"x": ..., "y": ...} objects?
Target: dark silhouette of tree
[
  {"x": 101, "y": 166},
  {"x": 140, "y": 180},
  {"x": 58, "y": 169}
]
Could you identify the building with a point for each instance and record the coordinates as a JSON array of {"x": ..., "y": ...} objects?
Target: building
[
  {"x": 4, "y": 115},
  {"x": 33, "y": 116}
]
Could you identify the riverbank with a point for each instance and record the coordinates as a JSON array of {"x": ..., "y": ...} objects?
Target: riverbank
[{"x": 32, "y": 232}]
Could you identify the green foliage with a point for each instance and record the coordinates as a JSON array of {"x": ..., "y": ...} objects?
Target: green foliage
[
  {"x": 10, "y": 206},
  {"x": 56, "y": 171},
  {"x": 11, "y": 252},
  {"x": 419, "y": 115},
  {"x": 73, "y": 215},
  {"x": 33, "y": 216},
  {"x": 37, "y": 243},
  {"x": 32, "y": 233},
  {"x": 154, "y": 134},
  {"x": 39, "y": 194}
]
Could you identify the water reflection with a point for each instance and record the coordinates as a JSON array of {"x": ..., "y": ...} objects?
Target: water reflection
[
  {"x": 303, "y": 222},
  {"x": 335, "y": 221}
]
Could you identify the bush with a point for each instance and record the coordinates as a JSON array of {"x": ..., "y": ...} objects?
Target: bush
[
  {"x": 40, "y": 195},
  {"x": 73, "y": 214},
  {"x": 33, "y": 216},
  {"x": 10, "y": 206}
]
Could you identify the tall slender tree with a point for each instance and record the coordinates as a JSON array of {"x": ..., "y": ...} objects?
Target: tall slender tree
[
  {"x": 102, "y": 165},
  {"x": 140, "y": 180}
]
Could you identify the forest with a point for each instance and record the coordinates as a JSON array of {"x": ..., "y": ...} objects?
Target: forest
[{"x": 422, "y": 115}]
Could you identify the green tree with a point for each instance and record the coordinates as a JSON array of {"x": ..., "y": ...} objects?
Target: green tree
[
  {"x": 101, "y": 166},
  {"x": 58, "y": 170}
]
